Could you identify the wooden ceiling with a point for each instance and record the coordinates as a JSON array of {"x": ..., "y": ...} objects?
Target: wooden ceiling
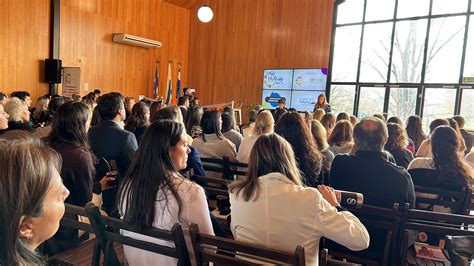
[{"x": 189, "y": 4}]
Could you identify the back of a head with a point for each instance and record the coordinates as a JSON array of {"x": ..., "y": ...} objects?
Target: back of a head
[
  {"x": 182, "y": 100},
  {"x": 438, "y": 122},
  {"x": 397, "y": 137},
  {"x": 151, "y": 170},
  {"x": 370, "y": 134},
  {"x": 210, "y": 123},
  {"x": 319, "y": 134},
  {"x": 16, "y": 109},
  {"x": 279, "y": 112},
  {"x": 318, "y": 114},
  {"x": 328, "y": 121},
  {"x": 227, "y": 122},
  {"x": 110, "y": 104},
  {"x": 460, "y": 120},
  {"x": 264, "y": 123},
  {"x": 342, "y": 133},
  {"x": 171, "y": 112},
  {"x": 252, "y": 116},
  {"x": 353, "y": 120},
  {"x": 55, "y": 103},
  {"x": 194, "y": 117},
  {"x": 447, "y": 158},
  {"x": 396, "y": 120},
  {"x": 270, "y": 154},
  {"x": 22, "y": 194},
  {"x": 70, "y": 125},
  {"x": 20, "y": 95},
  {"x": 342, "y": 116},
  {"x": 380, "y": 116}
]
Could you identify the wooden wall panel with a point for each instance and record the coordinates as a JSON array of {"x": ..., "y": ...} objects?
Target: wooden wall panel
[
  {"x": 24, "y": 44},
  {"x": 86, "y": 42},
  {"x": 228, "y": 55}
]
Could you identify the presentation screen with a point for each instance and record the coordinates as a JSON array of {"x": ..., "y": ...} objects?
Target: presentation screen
[
  {"x": 300, "y": 87},
  {"x": 278, "y": 79}
]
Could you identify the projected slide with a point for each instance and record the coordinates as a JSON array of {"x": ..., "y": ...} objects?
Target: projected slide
[
  {"x": 278, "y": 79},
  {"x": 270, "y": 98},
  {"x": 304, "y": 100},
  {"x": 310, "y": 79}
]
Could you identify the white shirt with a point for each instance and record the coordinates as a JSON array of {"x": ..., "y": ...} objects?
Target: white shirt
[
  {"x": 246, "y": 146},
  {"x": 286, "y": 215},
  {"x": 194, "y": 209},
  {"x": 425, "y": 149},
  {"x": 248, "y": 131},
  {"x": 215, "y": 148}
]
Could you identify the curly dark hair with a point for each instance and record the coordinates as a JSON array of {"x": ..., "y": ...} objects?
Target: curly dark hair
[
  {"x": 292, "y": 127},
  {"x": 138, "y": 117},
  {"x": 445, "y": 145},
  {"x": 397, "y": 137}
]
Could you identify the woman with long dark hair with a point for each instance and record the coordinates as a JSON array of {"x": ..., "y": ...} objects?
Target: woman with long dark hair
[
  {"x": 293, "y": 128},
  {"x": 341, "y": 138},
  {"x": 415, "y": 131},
  {"x": 265, "y": 203},
  {"x": 138, "y": 121},
  {"x": 454, "y": 172},
  {"x": 154, "y": 193},
  {"x": 193, "y": 124}
]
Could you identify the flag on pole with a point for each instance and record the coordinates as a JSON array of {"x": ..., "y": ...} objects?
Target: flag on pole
[
  {"x": 155, "y": 85},
  {"x": 169, "y": 87},
  {"x": 178, "y": 83}
]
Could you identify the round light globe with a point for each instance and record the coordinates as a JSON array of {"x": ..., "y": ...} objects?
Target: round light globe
[{"x": 205, "y": 14}]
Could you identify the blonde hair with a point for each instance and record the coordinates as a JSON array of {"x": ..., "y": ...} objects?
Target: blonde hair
[
  {"x": 319, "y": 134},
  {"x": 264, "y": 123},
  {"x": 318, "y": 114},
  {"x": 15, "y": 108},
  {"x": 270, "y": 154}
]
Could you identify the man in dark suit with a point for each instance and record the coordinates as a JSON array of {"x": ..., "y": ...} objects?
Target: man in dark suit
[
  {"x": 369, "y": 172},
  {"x": 110, "y": 141},
  {"x": 183, "y": 104},
  {"x": 468, "y": 137}
]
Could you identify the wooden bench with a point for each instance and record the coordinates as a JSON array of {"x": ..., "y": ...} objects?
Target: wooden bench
[
  {"x": 223, "y": 251},
  {"x": 225, "y": 166},
  {"x": 107, "y": 231}
]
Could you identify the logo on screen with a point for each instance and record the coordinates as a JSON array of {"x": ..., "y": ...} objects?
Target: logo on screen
[{"x": 273, "y": 99}]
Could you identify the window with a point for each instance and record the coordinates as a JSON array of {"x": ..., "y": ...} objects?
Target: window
[
  {"x": 342, "y": 98},
  {"x": 351, "y": 11},
  {"x": 371, "y": 101},
  {"x": 439, "y": 103},
  {"x": 469, "y": 63},
  {"x": 375, "y": 52},
  {"x": 346, "y": 57},
  {"x": 467, "y": 108},
  {"x": 390, "y": 53},
  {"x": 402, "y": 102},
  {"x": 408, "y": 45},
  {"x": 445, "y": 50},
  {"x": 412, "y": 8},
  {"x": 379, "y": 9}
]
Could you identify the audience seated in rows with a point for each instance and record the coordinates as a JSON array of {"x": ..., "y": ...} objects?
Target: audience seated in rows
[
  {"x": 212, "y": 144},
  {"x": 32, "y": 200},
  {"x": 110, "y": 141},
  {"x": 397, "y": 143},
  {"x": 310, "y": 161},
  {"x": 370, "y": 172},
  {"x": 265, "y": 203},
  {"x": 264, "y": 124},
  {"x": 155, "y": 194},
  {"x": 228, "y": 129}
]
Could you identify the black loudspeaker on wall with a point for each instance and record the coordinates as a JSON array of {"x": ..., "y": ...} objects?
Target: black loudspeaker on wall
[{"x": 52, "y": 70}]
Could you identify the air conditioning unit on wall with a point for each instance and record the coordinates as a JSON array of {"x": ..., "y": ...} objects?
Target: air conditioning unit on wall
[{"x": 136, "y": 41}]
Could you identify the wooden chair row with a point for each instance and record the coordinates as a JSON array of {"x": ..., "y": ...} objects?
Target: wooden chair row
[
  {"x": 404, "y": 223},
  {"x": 228, "y": 168}
]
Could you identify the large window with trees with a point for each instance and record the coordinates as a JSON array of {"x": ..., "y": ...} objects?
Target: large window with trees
[{"x": 403, "y": 57}]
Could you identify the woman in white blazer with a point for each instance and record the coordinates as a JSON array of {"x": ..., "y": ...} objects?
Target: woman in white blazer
[{"x": 270, "y": 207}]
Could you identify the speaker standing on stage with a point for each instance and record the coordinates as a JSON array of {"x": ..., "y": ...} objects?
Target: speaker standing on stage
[{"x": 322, "y": 103}]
